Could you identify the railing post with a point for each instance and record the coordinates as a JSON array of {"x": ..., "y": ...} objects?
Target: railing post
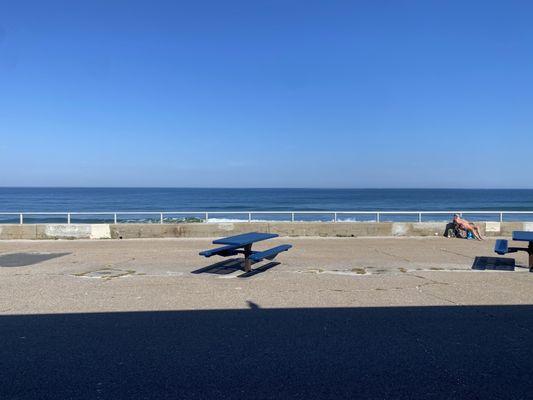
[
  {"x": 334, "y": 217},
  {"x": 21, "y": 218},
  {"x": 68, "y": 218},
  {"x": 377, "y": 217},
  {"x": 161, "y": 219},
  {"x": 206, "y": 217},
  {"x": 249, "y": 217},
  {"x": 501, "y": 217},
  {"x": 115, "y": 218},
  {"x": 292, "y": 217},
  {"x": 419, "y": 217}
]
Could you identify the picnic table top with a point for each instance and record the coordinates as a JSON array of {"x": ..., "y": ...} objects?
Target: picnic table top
[
  {"x": 245, "y": 238},
  {"x": 523, "y": 236}
]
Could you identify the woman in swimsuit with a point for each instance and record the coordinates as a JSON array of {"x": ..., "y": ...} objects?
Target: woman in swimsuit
[{"x": 467, "y": 226}]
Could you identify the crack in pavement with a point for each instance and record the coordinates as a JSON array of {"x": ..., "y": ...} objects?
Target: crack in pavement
[
  {"x": 457, "y": 254},
  {"x": 419, "y": 288},
  {"x": 432, "y": 282},
  {"x": 396, "y": 257}
]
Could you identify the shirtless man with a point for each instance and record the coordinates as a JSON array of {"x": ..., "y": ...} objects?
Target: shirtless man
[{"x": 467, "y": 226}]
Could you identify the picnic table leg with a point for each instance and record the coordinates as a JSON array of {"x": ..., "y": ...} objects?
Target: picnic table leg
[
  {"x": 247, "y": 261},
  {"x": 530, "y": 251}
]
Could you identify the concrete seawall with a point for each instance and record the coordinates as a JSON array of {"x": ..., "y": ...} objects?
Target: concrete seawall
[{"x": 199, "y": 230}]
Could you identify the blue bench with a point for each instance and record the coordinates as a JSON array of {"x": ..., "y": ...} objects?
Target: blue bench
[
  {"x": 269, "y": 254},
  {"x": 501, "y": 247},
  {"x": 224, "y": 251}
]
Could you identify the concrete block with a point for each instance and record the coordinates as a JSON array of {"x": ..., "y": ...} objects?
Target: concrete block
[
  {"x": 528, "y": 226},
  {"x": 362, "y": 229},
  {"x": 18, "y": 232},
  {"x": 221, "y": 229},
  {"x": 330, "y": 229},
  {"x": 494, "y": 227},
  {"x": 400, "y": 229},
  {"x": 100, "y": 231},
  {"x": 507, "y": 228},
  {"x": 63, "y": 231},
  {"x": 138, "y": 231},
  {"x": 428, "y": 228}
]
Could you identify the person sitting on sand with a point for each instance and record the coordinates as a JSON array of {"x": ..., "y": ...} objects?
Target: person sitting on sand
[{"x": 467, "y": 226}]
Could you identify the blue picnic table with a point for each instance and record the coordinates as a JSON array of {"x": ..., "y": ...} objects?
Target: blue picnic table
[
  {"x": 502, "y": 245},
  {"x": 242, "y": 244}
]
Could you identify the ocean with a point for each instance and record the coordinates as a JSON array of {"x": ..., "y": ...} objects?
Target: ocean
[{"x": 124, "y": 200}]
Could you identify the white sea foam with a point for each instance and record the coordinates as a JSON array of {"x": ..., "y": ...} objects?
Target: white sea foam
[
  {"x": 286, "y": 220},
  {"x": 239, "y": 220},
  {"x": 355, "y": 220}
]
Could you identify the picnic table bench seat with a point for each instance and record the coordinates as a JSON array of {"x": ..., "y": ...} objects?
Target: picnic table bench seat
[
  {"x": 223, "y": 251},
  {"x": 501, "y": 247},
  {"x": 269, "y": 254}
]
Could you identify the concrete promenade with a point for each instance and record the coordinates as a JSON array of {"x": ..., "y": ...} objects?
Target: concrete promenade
[
  {"x": 338, "y": 317},
  {"x": 119, "y": 275}
]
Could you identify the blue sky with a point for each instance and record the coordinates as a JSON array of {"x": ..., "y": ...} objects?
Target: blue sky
[{"x": 266, "y": 93}]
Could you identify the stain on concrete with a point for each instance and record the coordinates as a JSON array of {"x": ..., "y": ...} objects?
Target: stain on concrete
[{"x": 106, "y": 273}]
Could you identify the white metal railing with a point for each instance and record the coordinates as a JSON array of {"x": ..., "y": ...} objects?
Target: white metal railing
[{"x": 206, "y": 215}]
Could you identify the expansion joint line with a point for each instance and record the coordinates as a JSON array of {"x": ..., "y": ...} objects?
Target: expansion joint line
[{"x": 432, "y": 283}]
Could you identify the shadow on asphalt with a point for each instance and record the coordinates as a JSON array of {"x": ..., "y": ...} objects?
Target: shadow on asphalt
[
  {"x": 25, "y": 259},
  {"x": 231, "y": 265},
  {"x": 321, "y": 353},
  {"x": 259, "y": 270},
  {"x": 494, "y": 264},
  {"x": 223, "y": 267}
]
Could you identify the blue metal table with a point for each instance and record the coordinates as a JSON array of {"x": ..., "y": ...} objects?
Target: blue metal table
[
  {"x": 246, "y": 240},
  {"x": 526, "y": 236}
]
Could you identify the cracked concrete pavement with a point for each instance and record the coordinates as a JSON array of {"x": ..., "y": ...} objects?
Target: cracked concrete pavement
[{"x": 157, "y": 274}]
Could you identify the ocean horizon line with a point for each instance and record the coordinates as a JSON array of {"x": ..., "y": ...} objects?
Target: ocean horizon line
[{"x": 264, "y": 188}]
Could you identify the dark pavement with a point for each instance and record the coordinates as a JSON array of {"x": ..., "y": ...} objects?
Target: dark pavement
[{"x": 474, "y": 352}]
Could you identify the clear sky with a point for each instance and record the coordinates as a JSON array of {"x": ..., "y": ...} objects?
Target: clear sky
[{"x": 266, "y": 93}]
